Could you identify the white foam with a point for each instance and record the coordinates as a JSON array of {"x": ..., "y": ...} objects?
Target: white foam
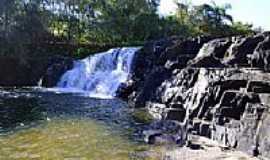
[{"x": 99, "y": 75}]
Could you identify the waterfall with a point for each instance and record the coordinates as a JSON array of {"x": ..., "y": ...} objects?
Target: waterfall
[{"x": 99, "y": 75}]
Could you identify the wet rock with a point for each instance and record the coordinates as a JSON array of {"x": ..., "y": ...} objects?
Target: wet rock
[
  {"x": 18, "y": 72},
  {"x": 156, "y": 110},
  {"x": 125, "y": 89},
  {"x": 149, "y": 136},
  {"x": 142, "y": 116},
  {"x": 165, "y": 132},
  {"x": 28, "y": 72},
  {"x": 57, "y": 67},
  {"x": 162, "y": 139}
]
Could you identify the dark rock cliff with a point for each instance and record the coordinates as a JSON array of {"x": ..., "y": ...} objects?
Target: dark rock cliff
[
  {"x": 221, "y": 87},
  {"x": 16, "y": 72}
]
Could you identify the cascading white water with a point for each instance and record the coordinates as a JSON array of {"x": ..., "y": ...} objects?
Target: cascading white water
[{"x": 99, "y": 75}]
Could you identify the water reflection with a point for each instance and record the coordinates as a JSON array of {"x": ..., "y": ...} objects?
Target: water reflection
[
  {"x": 26, "y": 107},
  {"x": 44, "y": 125},
  {"x": 19, "y": 112},
  {"x": 70, "y": 138}
]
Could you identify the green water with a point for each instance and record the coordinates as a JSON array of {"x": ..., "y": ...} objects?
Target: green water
[
  {"x": 48, "y": 126},
  {"x": 69, "y": 139}
]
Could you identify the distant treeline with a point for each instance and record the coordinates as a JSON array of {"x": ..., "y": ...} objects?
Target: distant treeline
[{"x": 30, "y": 27}]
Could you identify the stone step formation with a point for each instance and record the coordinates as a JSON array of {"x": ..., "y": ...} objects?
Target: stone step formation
[{"x": 219, "y": 86}]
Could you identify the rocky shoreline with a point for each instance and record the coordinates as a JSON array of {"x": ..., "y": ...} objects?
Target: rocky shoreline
[{"x": 218, "y": 88}]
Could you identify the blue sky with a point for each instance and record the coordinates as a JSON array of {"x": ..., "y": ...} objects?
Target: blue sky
[{"x": 256, "y": 12}]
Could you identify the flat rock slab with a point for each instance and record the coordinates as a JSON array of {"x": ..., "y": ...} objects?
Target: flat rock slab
[{"x": 209, "y": 150}]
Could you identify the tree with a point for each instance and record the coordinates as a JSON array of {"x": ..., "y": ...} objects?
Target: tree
[
  {"x": 182, "y": 11},
  {"x": 113, "y": 22},
  {"x": 239, "y": 28},
  {"x": 213, "y": 19},
  {"x": 124, "y": 20}
]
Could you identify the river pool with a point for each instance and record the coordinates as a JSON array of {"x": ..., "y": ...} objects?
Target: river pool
[{"x": 36, "y": 124}]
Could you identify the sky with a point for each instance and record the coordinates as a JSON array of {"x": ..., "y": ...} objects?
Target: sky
[{"x": 256, "y": 12}]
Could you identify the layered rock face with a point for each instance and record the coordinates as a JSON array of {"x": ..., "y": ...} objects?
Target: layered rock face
[{"x": 221, "y": 87}]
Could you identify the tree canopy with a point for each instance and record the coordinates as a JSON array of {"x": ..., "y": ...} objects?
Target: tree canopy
[{"x": 105, "y": 22}]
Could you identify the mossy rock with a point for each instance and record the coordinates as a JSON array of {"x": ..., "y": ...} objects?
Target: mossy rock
[{"x": 142, "y": 116}]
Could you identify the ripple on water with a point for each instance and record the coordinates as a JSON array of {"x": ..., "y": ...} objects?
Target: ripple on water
[
  {"x": 68, "y": 139},
  {"x": 53, "y": 126}
]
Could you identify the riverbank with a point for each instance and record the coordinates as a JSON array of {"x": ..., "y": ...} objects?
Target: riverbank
[{"x": 49, "y": 125}]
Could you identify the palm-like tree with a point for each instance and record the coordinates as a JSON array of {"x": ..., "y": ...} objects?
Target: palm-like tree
[
  {"x": 215, "y": 14},
  {"x": 212, "y": 18}
]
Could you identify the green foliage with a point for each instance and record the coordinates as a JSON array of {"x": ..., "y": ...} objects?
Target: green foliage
[
  {"x": 124, "y": 21},
  {"x": 32, "y": 24},
  {"x": 242, "y": 29},
  {"x": 206, "y": 19}
]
